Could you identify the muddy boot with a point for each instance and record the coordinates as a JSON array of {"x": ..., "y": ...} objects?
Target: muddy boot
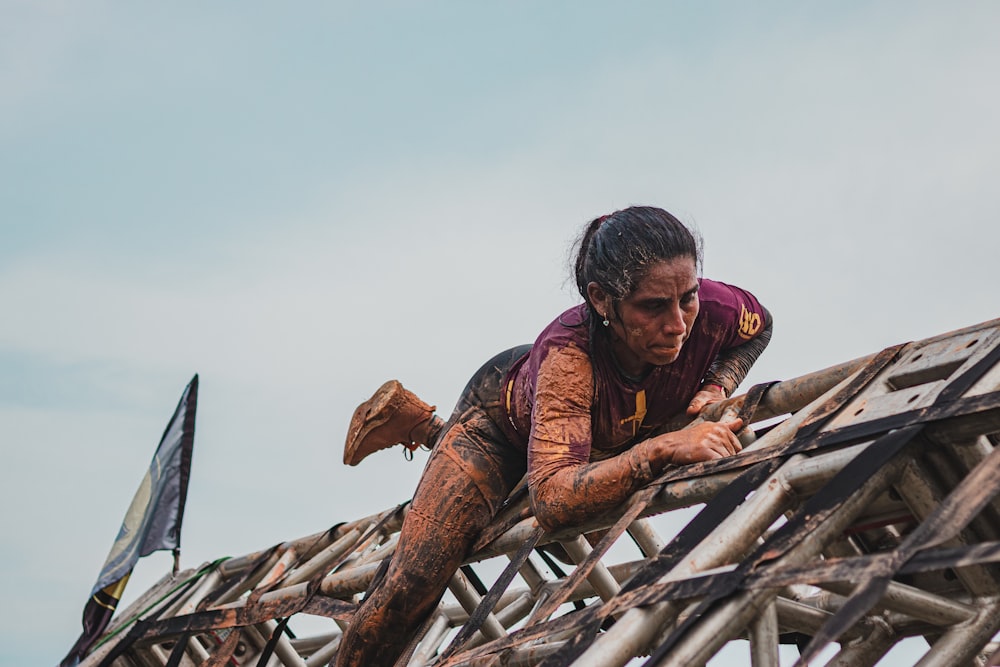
[{"x": 393, "y": 415}]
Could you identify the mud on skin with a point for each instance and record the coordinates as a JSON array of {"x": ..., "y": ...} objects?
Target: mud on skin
[
  {"x": 565, "y": 487},
  {"x": 471, "y": 471}
]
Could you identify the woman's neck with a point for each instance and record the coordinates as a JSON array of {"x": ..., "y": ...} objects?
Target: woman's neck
[{"x": 626, "y": 362}]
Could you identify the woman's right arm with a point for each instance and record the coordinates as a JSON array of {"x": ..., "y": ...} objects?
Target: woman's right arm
[
  {"x": 572, "y": 491},
  {"x": 565, "y": 486}
]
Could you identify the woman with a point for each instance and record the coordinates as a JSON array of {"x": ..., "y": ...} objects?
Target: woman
[{"x": 579, "y": 412}]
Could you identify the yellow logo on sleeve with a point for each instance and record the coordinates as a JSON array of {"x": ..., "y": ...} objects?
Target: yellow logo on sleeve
[{"x": 749, "y": 323}]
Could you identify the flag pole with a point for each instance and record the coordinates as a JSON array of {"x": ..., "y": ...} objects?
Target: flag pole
[{"x": 152, "y": 522}]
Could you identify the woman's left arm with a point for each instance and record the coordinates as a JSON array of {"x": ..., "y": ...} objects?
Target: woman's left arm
[{"x": 730, "y": 368}]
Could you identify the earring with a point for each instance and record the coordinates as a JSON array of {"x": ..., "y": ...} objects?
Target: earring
[{"x": 606, "y": 321}]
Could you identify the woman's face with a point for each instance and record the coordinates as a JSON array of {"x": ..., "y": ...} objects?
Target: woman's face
[{"x": 654, "y": 321}]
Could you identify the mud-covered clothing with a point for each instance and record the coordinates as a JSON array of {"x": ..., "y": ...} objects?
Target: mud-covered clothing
[
  {"x": 733, "y": 364},
  {"x": 560, "y": 408},
  {"x": 471, "y": 470},
  {"x": 571, "y": 404}
]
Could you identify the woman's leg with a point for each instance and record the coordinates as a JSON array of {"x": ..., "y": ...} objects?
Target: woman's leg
[
  {"x": 396, "y": 415},
  {"x": 467, "y": 478}
]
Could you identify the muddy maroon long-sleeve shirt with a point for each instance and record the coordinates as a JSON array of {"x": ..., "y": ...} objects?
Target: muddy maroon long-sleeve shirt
[{"x": 570, "y": 404}]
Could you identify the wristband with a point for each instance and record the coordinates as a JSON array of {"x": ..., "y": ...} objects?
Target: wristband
[{"x": 717, "y": 386}]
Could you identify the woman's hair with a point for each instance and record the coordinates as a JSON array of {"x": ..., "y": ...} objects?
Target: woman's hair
[{"x": 616, "y": 250}]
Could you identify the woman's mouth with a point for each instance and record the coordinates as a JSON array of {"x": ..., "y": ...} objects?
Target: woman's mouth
[{"x": 666, "y": 350}]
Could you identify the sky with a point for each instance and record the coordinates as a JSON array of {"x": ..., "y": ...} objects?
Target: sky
[{"x": 299, "y": 202}]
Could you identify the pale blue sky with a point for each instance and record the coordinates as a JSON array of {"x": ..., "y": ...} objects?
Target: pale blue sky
[{"x": 301, "y": 201}]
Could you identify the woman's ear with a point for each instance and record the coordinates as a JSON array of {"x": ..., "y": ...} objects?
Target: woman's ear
[{"x": 600, "y": 300}]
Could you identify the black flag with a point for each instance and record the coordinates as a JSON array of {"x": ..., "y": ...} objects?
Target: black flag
[{"x": 152, "y": 523}]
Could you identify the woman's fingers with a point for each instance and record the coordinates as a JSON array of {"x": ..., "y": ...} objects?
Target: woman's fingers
[
  {"x": 704, "y": 442},
  {"x": 703, "y": 399},
  {"x": 722, "y": 437}
]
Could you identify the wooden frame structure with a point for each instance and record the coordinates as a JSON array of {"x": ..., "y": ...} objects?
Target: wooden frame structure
[{"x": 862, "y": 512}]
